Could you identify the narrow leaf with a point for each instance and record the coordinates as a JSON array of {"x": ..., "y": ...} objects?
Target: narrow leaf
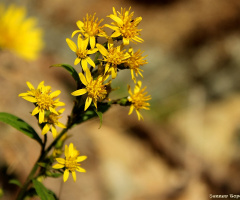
[
  {"x": 20, "y": 125},
  {"x": 42, "y": 191},
  {"x": 72, "y": 71},
  {"x": 91, "y": 112},
  {"x": 15, "y": 182},
  {"x": 100, "y": 115}
]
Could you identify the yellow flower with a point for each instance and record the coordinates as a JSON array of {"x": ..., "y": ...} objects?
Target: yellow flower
[
  {"x": 138, "y": 99},
  {"x": 113, "y": 56},
  {"x": 125, "y": 26},
  {"x": 18, "y": 33},
  {"x": 70, "y": 163},
  {"x": 82, "y": 52},
  {"x": 95, "y": 89},
  {"x": 43, "y": 99},
  {"x": 51, "y": 121},
  {"x": 36, "y": 92},
  {"x": 134, "y": 62},
  {"x": 90, "y": 28}
]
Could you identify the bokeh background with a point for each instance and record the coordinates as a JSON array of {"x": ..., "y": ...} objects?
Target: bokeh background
[{"x": 188, "y": 145}]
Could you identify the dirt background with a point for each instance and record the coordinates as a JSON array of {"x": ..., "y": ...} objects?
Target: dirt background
[{"x": 187, "y": 147}]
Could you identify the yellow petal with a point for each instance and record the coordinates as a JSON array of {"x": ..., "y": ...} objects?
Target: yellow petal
[
  {"x": 137, "y": 20},
  {"x": 53, "y": 110},
  {"x": 81, "y": 158},
  {"x": 71, "y": 45},
  {"x": 65, "y": 175},
  {"x": 74, "y": 176},
  {"x": 71, "y": 149},
  {"x": 35, "y": 111},
  {"x": 77, "y": 60},
  {"x": 131, "y": 110},
  {"x": 46, "y": 128},
  {"x": 61, "y": 161},
  {"x": 66, "y": 152},
  {"x": 41, "y": 116},
  {"x": 116, "y": 19},
  {"x": 84, "y": 44},
  {"x": 79, "y": 92},
  {"x": 87, "y": 103},
  {"x": 112, "y": 27},
  {"x": 83, "y": 79},
  {"x": 139, "y": 115},
  {"x": 74, "y": 33},
  {"x": 80, "y": 169},
  {"x": 114, "y": 73},
  {"x": 61, "y": 110},
  {"x": 88, "y": 76},
  {"x": 80, "y": 24},
  {"x": 55, "y": 93},
  {"x": 95, "y": 103},
  {"x": 61, "y": 125},
  {"x": 125, "y": 41},
  {"x": 102, "y": 49},
  {"x": 91, "y": 51},
  {"x": 84, "y": 64},
  {"x": 31, "y": 99},
  {"x": 89, "y": 60},
  {"x": 92, "y": 42},
  {"x": 30, "y": 86},
  {"x": 23, "y": 94},
  {"x": 54, "y": 132},
  {"x": 116, "y": 34},
  {"x": 57, "y": 166}
]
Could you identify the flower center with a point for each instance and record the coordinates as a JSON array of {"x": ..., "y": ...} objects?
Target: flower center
[
  {"x": 115, "y": 57},
  {"x": 71, "y": 163},
  {"x": 44, "y": 101},
  {"x": 96, "y": 90},
  {"x": 139, "y": 100},
  {"x": 52, "y": 118},
  {"x": 129, "y": 30},
  {"x": 91, "y": 26},
  {"x": 81, "y": 53}
]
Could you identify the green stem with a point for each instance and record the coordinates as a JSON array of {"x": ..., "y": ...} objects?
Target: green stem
[{"x": 22, "y": 192}]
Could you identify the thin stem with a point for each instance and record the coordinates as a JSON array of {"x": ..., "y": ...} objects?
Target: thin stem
[
  {"x": 44, "y": 143},
  {"x": 44, "y": 153}
]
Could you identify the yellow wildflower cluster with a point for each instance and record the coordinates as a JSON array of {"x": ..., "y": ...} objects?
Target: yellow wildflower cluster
[
  {"x": 46, "y": 104},
  {"x": 71, "y": 162},
  {"x": 115, "y": 56},
  {"x": 18, "y": 33},
  {"x": 93, "y": 87}
]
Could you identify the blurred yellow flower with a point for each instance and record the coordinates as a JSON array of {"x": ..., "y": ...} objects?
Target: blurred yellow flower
[
  {"x": 125, "y": 26},
  {"x": 90, "y": 28},
  {"x": 70, "y": 163},
  {"x": 138, "y": 99},
  {"x": 95, "y": 89},
  {"x": 18, "y": 33}
]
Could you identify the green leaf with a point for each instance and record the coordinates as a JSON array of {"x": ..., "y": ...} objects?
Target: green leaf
[
  {"x": 91, "y": 112},
  {"x": 15, "y": 182},
  {"x": 42, "y": 164},
  {"x": 72, "y": 71},
  {"x": 54, "y": 175},
  {"x": 42, "y": 191},
  {"x": 20, "y": 125},
  {"x": 100, "y": 115}
]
